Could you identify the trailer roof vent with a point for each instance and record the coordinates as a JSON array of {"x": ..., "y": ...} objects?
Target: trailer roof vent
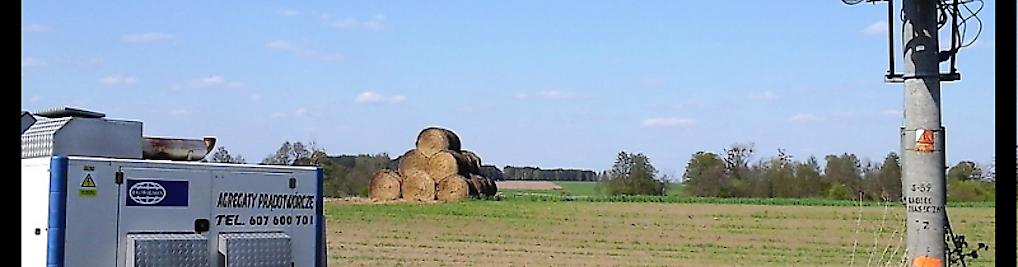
[{"x": 68, "y": 112}]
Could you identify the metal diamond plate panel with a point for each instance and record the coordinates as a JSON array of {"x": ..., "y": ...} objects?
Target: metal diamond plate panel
[
  {"x": 37, "y": 141},
  {"x": 255, "y": 249},
  {"x": 177, "y": 250}
]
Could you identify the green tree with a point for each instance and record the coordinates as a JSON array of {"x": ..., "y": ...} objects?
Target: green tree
[
  {"x": 965, "y": 171},
  {"x": 965, "y": 182},
  {"x": 780, "y": 176},
  {"x": 843, "y": 170},
  {"x": 740, "y": 179},
  {"x": 293, "y": 154},
  {"x": 223, "y": 156},
  {"x": 808, "y": 176},
  {"x": 737, "y": 160},
  {"x": 705, "y": 175},
  {"x": 870, "y": 183},
  {"x": 890, "y": 178},
  {"x": 633, "y": 174}
]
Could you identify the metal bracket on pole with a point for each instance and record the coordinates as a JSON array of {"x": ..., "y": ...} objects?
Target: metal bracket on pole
[
  {"x": 900, "y": 78},
  {"x": 891, "y": 76}
]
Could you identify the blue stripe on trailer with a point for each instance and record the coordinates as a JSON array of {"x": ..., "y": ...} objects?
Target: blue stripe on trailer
[
  {"x": 320, "y": 221},
  {"x": 57, "y": 224}
]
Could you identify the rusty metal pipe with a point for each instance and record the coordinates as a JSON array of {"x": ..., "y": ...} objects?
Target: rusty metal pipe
[{"x": 162, "y": 148}]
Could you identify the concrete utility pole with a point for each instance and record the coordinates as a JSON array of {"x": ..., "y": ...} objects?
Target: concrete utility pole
[{"x": 923, "y": 171}]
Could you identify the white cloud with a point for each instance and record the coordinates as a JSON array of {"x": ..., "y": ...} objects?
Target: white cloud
[
  {"x": 651, "y": 82},
  {"x": 806, "y": 118},
  {"x": 665, "y": 122},
  {"x": 95, "y": 61},
  {"x": 879, "y": 27},
  {"x": 178, "y": 112},
  {"x": 765, "y": 96},
  {"x": 299, "y": 113},
  {"x": 147, "y": 37},
  {"x": 289, "y": 12},
  {"x": 256, "y": 97},
  {"x": 32, "y": 62},
  {"x": 684, "y": 104},
  {"x": 35, "y": 28},
  {"x": 118, "y": 80},
  {"x": 279, "y": 44},
  {"x": 299, "y": 50},
  {"x": 372, "y": 97},
  {"x": 333, "y": 57},
  {"x": 552, "y": 95},
  {"x": 847, "y": 114},
  {"x": 210, "y": 82},
  {"x": 374, "y": 23},
  {"x": 892, "y": 113},
  {"x": 986, "y": 44}
]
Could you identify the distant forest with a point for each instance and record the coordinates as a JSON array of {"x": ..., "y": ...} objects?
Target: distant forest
[
  {"x": 732, "y": 173},
  {"x": 506, "y": 173}
]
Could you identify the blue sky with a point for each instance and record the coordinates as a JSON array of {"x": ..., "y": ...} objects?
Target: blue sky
[{"x": 559, "y": 84}]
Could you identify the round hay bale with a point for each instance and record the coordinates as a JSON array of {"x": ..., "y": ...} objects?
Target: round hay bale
[
  {"x": 434, "y": 139},
  {"x": 488, "y": 187},
  {"x": 446, "y": 163},
  {"x": 492, "y": 186},
  {"x": 477, "y": 182},
  {"x": 384, "y": 185},
  {"x": 473, "y": 161},
  {"x": 412, "y": 160},
  {"x": 452, "y": 189},
  {"x": 418, "y": 186}
]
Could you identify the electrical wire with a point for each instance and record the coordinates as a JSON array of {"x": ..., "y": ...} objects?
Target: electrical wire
[{"x": 946, "y": 11}]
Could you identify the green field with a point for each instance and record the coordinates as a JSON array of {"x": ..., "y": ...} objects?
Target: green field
[{"x": 524, "y": 232}]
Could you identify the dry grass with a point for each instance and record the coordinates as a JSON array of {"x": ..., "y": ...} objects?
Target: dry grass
[{"x": 486, "y": 233}]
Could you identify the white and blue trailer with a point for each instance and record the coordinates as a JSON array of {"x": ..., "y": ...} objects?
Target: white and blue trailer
[{"x": 95, "y": 206}]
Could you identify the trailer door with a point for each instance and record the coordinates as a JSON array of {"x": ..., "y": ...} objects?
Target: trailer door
[
  {"x": 162, "y": 210},
  {"x": 252, "y": 218}
]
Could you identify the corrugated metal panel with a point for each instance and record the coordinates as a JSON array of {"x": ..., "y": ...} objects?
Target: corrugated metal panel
[
  {"x": 169, "y": 250},
  {"x": 255, "y": 249},
  {"x": 75, "y": 136},
  {"x": 37, "y": 141}
]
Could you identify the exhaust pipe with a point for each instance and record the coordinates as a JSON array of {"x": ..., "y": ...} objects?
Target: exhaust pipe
[{"x": 161, "y": 148}]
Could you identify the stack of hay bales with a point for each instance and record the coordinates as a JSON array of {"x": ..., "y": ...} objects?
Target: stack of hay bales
[{"x": 436, "y": 169}]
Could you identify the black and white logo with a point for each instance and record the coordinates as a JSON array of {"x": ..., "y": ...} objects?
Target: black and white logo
[{"x": 147, "y": 193}]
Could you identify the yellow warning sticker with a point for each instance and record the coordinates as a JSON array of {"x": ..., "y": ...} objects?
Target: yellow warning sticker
[
  {"x": 86, "y": 192},
  {"x": 87, "y": 186},
  {"x": 88, "y": 181}
]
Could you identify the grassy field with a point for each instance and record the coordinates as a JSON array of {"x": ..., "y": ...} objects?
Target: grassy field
[{"x": 572, "y": 233}]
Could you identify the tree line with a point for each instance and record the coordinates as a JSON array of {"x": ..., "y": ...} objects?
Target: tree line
[
  {"x": 343, "y": 176},
  {"x": 842, "y": 177},
  {"x": 538, "y": 174},
  {"x": 730, "y": 174}
]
